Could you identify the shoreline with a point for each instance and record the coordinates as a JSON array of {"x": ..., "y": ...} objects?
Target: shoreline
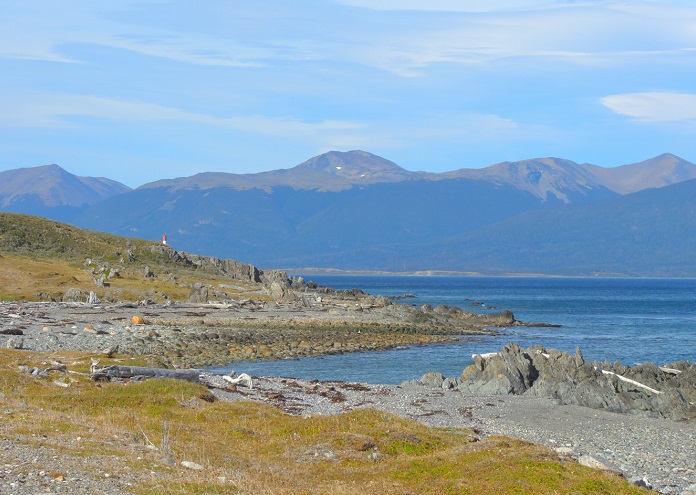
[
  {"x": 668, "y": 464},
  {"x": 185, "y": 335},
  {"x": 335, "y": 272}
]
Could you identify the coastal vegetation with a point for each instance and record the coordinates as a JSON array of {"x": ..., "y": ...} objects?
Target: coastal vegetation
[
  {"x": 41, "y": 259},
  {"x": 168, "y": 436},
  {"x": 141, "y": 433}
]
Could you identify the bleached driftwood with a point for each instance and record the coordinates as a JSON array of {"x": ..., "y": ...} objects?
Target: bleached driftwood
[
  {"x": 142, "y": 373},
  {"x": 632, "y": 382},
  {"x": 241, "y": 378},
  {"x": 485, "y": 356},
  {"x": 670, "y": 371}
]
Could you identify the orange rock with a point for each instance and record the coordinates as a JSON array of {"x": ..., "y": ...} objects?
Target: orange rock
[{"x": 138, "y": 320}]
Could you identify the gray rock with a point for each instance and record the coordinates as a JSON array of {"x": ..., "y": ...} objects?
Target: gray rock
[
  {"x": 382, "y": 301},
  {"x": 450, "y": 383},
  {"x": 92, "y": 298},
  {"x": 74, "y": 295},
  {"x": 277, "y": 290},
  {"x": 15, "y": 343},
  {"x": 199, "y": 293},
  {"x": 690, "y": 490},
  {"x": 641, "y": 481},
  {"x": 192, "y": 465},
  {"x": 579, "y": 360},
  {"x": 596, "y": 462},
  {"x": 412, "y": 386},
  {"x": 509, "y": 372},
  {"x": 569, "y": 379},
  {"x": 433, "y": 379}
]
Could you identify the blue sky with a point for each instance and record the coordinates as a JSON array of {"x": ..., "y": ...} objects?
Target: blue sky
[{"x": 141, "y": 90}]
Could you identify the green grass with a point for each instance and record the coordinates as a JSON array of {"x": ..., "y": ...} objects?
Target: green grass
[{"x": 249, "y": 447}]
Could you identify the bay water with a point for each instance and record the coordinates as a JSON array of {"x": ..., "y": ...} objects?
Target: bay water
[{"x": 616, "y": 319}]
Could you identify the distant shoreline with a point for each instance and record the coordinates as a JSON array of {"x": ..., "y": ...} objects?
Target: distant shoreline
[{"x": 453, "y": 273}]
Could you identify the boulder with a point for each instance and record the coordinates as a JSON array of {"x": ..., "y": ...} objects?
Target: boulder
[
  {"x": 15, "y": 343},
  {"x": 432, "y": 379},
  {"x": 509, "y": 372},
  {"x": 382, "y": 301},
  {"x": 277, "y": 290},
  {"x": 199, "y": 293},
  {"x": 644, "y": 389},
  {"x": 74, "y": 295}
]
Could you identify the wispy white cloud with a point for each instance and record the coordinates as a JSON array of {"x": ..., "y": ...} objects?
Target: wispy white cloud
[
  {"x": 30, "y": 32},
  {"x": 653, "y": 106},
  {"x": 576, "y": 33},
  {"x": 61, "y": 111},
  {"x": 447, "y": 5},
  {"x": 192, "y": 50},
  {"x": 453, "y": 31}
]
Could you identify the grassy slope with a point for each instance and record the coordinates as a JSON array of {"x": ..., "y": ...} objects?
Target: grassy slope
[
  {"x": 254, "y": 448},
  {"x": 41, "y": 258}
]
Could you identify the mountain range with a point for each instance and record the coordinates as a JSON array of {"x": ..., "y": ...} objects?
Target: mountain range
[
  {"x": 52, "y": 192},
  {"x": 357, "y": 211}
]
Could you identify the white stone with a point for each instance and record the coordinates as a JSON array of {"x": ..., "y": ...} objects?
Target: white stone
[{"x": 192, "y": 465}]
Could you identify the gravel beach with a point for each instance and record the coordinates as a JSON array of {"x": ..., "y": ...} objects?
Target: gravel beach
[{"x": 658, "y": 452}]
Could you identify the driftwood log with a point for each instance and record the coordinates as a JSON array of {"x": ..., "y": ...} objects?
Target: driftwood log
[{"x": 141, "y": 373}]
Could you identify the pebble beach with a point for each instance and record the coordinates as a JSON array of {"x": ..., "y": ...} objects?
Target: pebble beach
[{"x": 657, "y": 453}]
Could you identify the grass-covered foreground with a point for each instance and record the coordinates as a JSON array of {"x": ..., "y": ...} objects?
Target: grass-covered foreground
[{"x": 248, "y": 447}]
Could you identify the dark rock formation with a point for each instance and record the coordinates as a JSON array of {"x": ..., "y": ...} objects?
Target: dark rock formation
[
  {"x": 643, "y": 389},
  {"x": 235, "y": 270}
]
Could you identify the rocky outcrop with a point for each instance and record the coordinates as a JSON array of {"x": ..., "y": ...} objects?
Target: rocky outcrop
[
  {"x": 275, "y": 281},
  {"x": 227, "y": 267},
  {"x": 643, "y": 389}
]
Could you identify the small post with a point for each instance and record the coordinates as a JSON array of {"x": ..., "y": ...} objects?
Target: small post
[{"x": 164, "y": 239}]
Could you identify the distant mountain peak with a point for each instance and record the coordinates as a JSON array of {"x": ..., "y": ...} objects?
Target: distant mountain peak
[
  {"x": 348, "y": 162},
  {"x": 348, "y": 168},
  {"x": 331, "y": 171},
  {"x": 51, "y": 185},
  {"x": 660, "y": 171},
  {"x": 547, "y": 178}
]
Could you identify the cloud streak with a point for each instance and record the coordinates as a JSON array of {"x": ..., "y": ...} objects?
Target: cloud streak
[
  {"x": 653, "y": 107},
  {"x": 447, "y": 5},
  {"x": 60, "y": 111}
]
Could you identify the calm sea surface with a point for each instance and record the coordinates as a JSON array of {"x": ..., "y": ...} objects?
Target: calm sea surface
[{"x": 625, "y": 320}]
